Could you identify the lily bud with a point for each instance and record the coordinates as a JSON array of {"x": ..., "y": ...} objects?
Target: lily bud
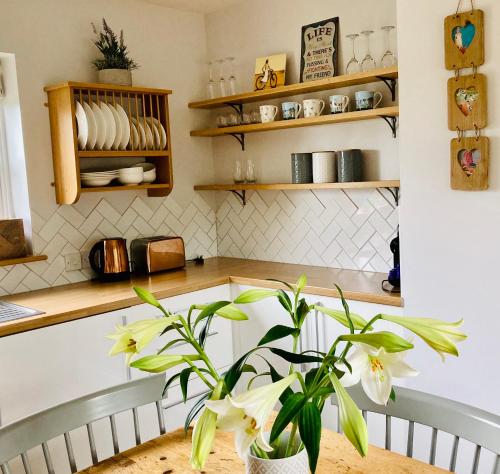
[
  {"x": 203, "y": 438},
  {"x": 439, "y": 335},
  {"x": 252, "y": 296},
  {"x": 160, "y": 363},
  {"x": 389, "y": 341}
]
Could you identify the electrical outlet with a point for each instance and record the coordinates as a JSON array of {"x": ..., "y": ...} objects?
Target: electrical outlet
[
  {"x": 72, "y": 262},
  {"x": 85, "y": 259}
]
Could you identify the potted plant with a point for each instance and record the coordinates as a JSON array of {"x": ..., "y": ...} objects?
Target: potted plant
[
  {"x": 115, "y": 66},
  {"x": 359, "y": 353}
]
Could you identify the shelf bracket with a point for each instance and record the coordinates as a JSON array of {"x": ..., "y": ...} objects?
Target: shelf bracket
[
  {"x": 391, "y": 84},
  {"x": 241, "y": 138},
  {"x": 241, "y": 195},
  {"x": 238, "y": 108},
  {"x": 392, "y": 122},
  {"x": 395, "y": 194}
]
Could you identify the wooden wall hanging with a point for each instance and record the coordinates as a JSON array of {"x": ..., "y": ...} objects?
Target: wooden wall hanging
[
  {"x": 464, "y": 39},
  {"x": 469, "y": 163},
  {"x": 467, "y": 102}
]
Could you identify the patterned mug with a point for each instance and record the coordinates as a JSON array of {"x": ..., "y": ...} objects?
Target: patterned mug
[
  {"x": 313, "y": 107},
  {"x": 291, "y": 110},
  {"x": 268, "y": 113},
  {"x": 339, "y": 103},
  {"x": 365, "y": 100}
]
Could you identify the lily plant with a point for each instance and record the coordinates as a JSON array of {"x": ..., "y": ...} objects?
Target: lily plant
[{"x": 360, "y": 353}]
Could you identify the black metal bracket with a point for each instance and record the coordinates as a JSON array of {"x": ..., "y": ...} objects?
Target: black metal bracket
[
  {"x": 241, "y": 138},
  {"x": 391, "y": 84},
  {"x": 392, "y": 122},
  {"x": 238, "y": 108},
  {"x": 242, "y": 195},
  {"x": 395, "y": 194}
]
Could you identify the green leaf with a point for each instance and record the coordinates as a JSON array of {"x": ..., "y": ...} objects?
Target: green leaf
[
  {"x": 209, "y": 310},
  {"x": 169, "y": 344},
  {"x": 302, "y": 311},
  {"x": 301, "y": 283},
  {"x": 197, "y": 407},
  {"x": 309, "y": 378},
  {"x": 147, "y": 297},
  {"x": 231, "y": 312},
  {"x": 248, "y": 368},
  {"x": 232, "y": 376},
  {"x": 184, "y": 380},
  {"x": 285, "y": 301},
  {"x": 276, "y": 377},
  {"x": 295, "y": 358},
  {"x": 284, "y": 283},
  {"x": 340, "y": 316},
  {"x": 252, "y": 296},
  {"x": 204, "y": 332},
  {"x": 392, "y": 396},
  {"x": 170, "y": 381},
  {"x": 278, "y": 332},
  {"x": 389, "y": 341},
  {"x": 310, "y": 432},
  {"x": 161, "y": 363},
  {"x": 287, "y": 413},
  {"x": 346, "y": 308}
]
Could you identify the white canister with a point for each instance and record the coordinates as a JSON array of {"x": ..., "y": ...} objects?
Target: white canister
[{"x": 324, "y": 167}]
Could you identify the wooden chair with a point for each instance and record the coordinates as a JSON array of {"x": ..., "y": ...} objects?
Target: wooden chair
[
  {"x": 17, "y": 438},
  {"x": 441, "y": 414}
]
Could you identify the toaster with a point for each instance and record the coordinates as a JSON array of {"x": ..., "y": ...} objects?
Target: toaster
[{"x": 157, "y": 254}]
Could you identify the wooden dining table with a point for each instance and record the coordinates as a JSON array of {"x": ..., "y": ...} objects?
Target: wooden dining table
[{"x": 169, "y": 454}]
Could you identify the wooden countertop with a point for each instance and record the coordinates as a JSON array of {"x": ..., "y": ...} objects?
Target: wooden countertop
[
  {"x": 170, "y": 454},
  {"x": 69, "y": 302}
]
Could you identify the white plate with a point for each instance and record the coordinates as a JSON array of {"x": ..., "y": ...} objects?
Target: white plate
[
  {"x": 134, "y": 143},
  {"x": 83, "y": 127},
  {"x": 92, "y": 137},
  {"x": 150, "y": 143},
  {"x": 110, "y": 126},
  {"x": 142, "y": 133},
  {"x": 119, "y": 131},
  {"x": 125, "y": 125},
  {"x": 161, "y": 131},
  {"x": 101, "y": 126},
  {"x": 95, "y": 182},
  {"x": 156, "y": 134}
]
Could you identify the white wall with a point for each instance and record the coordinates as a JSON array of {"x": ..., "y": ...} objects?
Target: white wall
[
  {"x": 52, "y": 42},
  {"x": 449, "y": 239}
]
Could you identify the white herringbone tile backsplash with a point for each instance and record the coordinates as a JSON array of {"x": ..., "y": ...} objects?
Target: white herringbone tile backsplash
[
  {"x": 331, "y": 228},
  {"x": 325, "y": 228},
  {"x": 72, "y": 229}
]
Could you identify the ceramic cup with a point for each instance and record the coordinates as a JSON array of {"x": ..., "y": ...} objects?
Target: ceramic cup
[
  {"x": 350, "y": 166},
  {"x": 366, "y": 100},
  {"x": 313, "y": 107},
  {"x": 268, "y": 113},
  {"x": 339, "y": 103},
  {"x": 302, "y": 168},
  {"x": 291, "y": 110},
  {"x": 324, "y": 167}
]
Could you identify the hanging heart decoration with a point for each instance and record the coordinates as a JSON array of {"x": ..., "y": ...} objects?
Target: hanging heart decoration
[
  {"x": 463, "y": 36},
  {"x": 466, "y": 98},
  {"x": 469, "y": 160}
]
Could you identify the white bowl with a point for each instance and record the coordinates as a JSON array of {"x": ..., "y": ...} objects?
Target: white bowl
[
  {"x": 149, "y": 171},
  {"x": 131, "y": 175},
  {"x": 97, "y": 181}
]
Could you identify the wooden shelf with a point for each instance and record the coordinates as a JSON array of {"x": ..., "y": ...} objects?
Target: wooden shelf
[
  {"x": 122, "y": 153},
  {"x": 131, "y": 187},
  {"x": 296, "y": 187},
  {"x": 302, "y": 122},
  {"x": 337, "y": 82},
  {"x": 29, "y": 259}
]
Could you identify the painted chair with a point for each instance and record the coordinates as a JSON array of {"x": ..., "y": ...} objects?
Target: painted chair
[
  {"x": 441, "y": 414},
  {"x": 17, "y": 438}
]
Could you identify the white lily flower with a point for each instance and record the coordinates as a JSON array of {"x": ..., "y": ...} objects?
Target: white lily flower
[
  {"x": 247, "y": 414},
  {"x": 375, "y": 368}
]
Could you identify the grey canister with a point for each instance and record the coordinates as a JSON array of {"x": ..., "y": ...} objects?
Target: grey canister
[
  {"x": 350, "y": 166},
  {"x": 302, "y": 168}
]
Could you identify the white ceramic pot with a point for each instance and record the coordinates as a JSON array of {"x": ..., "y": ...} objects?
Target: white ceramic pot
[
  {"x": 298, "y": 464},
  {"x": 120, "y": 77},
  {"x": 324, "y": 169}
]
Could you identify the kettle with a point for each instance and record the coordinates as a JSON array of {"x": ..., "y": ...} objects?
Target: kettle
[{"x": 109, "y": 259}]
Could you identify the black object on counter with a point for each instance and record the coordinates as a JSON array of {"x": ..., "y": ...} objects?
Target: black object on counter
[
  {"x": 349, "y": 166},
  {"x": 302, "y": 168}
]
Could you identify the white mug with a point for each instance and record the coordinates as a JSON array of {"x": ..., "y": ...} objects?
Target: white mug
[
  {"x": 324, "y": 167},
  {"x": 313, "y": 107},
  {"x": 268, "y": 113},
  {"x": 339, "y": 103}
]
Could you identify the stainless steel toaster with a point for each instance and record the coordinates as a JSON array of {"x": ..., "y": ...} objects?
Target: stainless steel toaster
[{"x": 157, "y": 254}]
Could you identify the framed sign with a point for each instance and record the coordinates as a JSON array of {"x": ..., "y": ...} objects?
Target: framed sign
[
  {"x": 319, "y": 58},
  {"x": 270, "y": 72}
]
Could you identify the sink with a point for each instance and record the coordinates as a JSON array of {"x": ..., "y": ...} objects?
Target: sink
[{"x": 10, "y": 311}]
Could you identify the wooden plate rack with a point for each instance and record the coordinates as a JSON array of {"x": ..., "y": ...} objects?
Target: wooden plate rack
[{"x": 144, "y": 105}]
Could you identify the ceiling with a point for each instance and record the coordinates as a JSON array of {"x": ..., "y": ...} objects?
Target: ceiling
[{"x": 200, "y": 6}]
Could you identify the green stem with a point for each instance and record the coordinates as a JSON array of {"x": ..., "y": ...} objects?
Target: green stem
[
  {"x": 291, "y": 440},
  {"x": 259, "y": 452},
  {"x": 294, "y": 350},
  {"x": 198, "y": 372}
]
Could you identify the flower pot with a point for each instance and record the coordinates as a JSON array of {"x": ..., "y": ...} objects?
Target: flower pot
[
  {"x": 297, "y": 464},
  {"x": 120, "y": 77}
]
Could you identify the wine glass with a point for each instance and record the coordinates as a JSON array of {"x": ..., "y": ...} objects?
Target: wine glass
[
  {"x": 353, "y": 66},
  {"x": 232, "y": 77},
  {"x": 211, "y": 82},
  {"x": 222, "y": 82},
  {"x": 368, "y": 61},
  {"x": 389, "y": 58}
]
